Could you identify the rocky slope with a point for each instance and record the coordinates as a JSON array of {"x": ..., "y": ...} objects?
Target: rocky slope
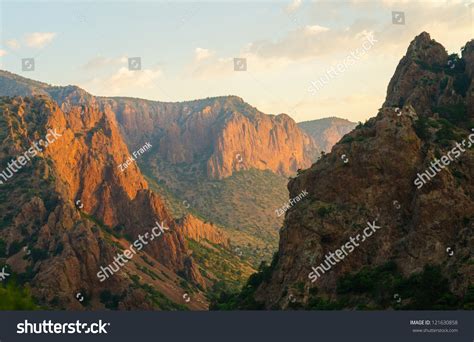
[
  {"x": 78, "y": 171},
  {"x": 327, "y": 132},
  {"x": 82, "y": 208},
  {"x": 205, "y": 154},
  {"x": 422, "y": 255}
]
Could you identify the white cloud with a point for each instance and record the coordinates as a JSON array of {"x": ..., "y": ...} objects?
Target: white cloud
[
  {"x": 293, "y": 6},
  {"x": 39, "y": 39},
  {"x": 125, "y": 81},
  {"x": 315, "y": 29},
  {"x": 99, "y": 62},
  {"x": 201, "y": 54},
  {"x": 13, "y": 44},
  {"x": 316, "y": 41}
]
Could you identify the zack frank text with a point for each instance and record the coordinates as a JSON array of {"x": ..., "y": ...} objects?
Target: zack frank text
[
  {"x": 290, "y": 203},
  {"x": 134, "y": 156}
]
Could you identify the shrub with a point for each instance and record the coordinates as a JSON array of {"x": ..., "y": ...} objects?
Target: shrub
[
  {"x": 38, "y": 254},
  {"x": 455, "y": 114},
  {"x": 15, "y": 247},
  {"x": 421, "y": 128},
  {"x": 110, "y": 300},
  {"x": 13, "y": 297},
  {"x": 3, "y": 248},
  {"x": 461, "y": 84}
]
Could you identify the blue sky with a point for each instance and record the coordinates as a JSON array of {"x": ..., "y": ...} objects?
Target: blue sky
[{"x": 187, "y": 48}]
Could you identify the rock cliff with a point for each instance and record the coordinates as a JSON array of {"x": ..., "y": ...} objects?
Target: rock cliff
[{"x": 422, "y": 255}]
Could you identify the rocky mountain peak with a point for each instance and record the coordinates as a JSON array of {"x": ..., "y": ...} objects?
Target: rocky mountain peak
[
  {"x": 427, "y": 77},
  {"x": 368, "y": 179}
]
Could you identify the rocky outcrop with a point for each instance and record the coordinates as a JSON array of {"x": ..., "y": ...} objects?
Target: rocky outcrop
[
  {"x": 327, "y": 132},
  {"x": 369, "y": 177},
  {"x": 83, "y": 199},
  {"x": 197, "y": 230}
]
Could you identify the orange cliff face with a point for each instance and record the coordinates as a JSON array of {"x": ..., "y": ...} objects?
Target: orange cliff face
[
  {"x": 197, "y": 230},
  {"x": 225, "y": 133},
  {"x": 86, "y": 159},
  {"x": 262, "y": 142}
]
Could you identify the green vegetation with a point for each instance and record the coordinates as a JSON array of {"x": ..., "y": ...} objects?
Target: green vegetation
[
  {"x": 110, "y": 300},
  {"x": 3, "y": 248},
  {"x": 243, "y": 204},
  {"x": 38, "y": 254},
  {"x": 14, "y": 297},
  {"x": 159, "y": 300},
  {"x": 435, "y": 68},
  {"x": 422, "y": 129},
  {"x": 245, "y": 299},
  {"x": 455, "y": 114},
  {"x": 461, "y": 84},
  {"x": 377, "y": 288},
  {"x": 220, "y": 265}
]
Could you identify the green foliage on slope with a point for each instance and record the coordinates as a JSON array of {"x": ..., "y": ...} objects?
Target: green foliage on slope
[{"x": 14, "y": 297}]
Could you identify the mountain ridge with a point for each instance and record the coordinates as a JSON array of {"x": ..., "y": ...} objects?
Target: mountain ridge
[{"x": 423, "y": 252}]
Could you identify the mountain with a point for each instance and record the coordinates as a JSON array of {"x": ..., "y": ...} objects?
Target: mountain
[
  {"x": 327, "y": 132},
  {"x": 381, "y": 180},
  {"x": 222, "y": 134},
  {"x": 220, "y": 158},
  {"x": 206, "y": 154},
  {"x": 72, "y": 210}
]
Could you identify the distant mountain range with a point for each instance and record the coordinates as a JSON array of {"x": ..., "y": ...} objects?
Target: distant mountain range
[
  {"x": 327, "y": 132},
  {"x": 211, "y": 163}
]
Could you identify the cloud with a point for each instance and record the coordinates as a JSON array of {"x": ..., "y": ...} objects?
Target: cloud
[
  {"x": 293, "y": 6},
  {"x": 125, "y": 81},
  {"x": 315, "y": 29},
  {"x": 318, "y": 41},
  {"x": 39, "y": 39},
  {"x": 201, "y": 54},
  {"x": 99, "y": 62},
  {"x": 13, "y": 44},
  {"x": 2, "y": 53}
]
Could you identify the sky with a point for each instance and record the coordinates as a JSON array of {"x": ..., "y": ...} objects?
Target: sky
[{"x": 187, "y": 48}]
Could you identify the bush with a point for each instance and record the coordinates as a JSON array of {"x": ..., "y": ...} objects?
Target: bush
[
  {"x": 3, "y": 248},
  {"x": 110, "y": 300},
  {"x": 455, "y": 114},
  {"x": 461, "y": 84},
  {"x": 421, "y": 128},
  {"x": 427, "y": 290},
  {"x": 13, "y": 297},
  {"x": 38, "y": 254},
  {"x": 15, "y": 247}
]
